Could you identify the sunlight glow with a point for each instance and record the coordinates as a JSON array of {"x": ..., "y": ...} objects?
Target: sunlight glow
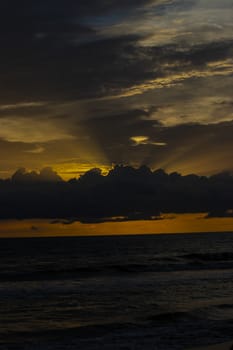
[{"x": 170, "y": 223}]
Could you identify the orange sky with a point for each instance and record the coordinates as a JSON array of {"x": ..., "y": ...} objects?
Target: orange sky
[{"x": 182, "y": 223}]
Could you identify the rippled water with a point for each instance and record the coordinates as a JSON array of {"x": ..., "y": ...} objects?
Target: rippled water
[{"x": 125, "y": 292}]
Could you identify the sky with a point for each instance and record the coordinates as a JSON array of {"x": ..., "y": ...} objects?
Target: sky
[
  {"x": 170, "y": 224},
  {"x": 93, "y": 83},
  {"x": 97, "y": 83}
]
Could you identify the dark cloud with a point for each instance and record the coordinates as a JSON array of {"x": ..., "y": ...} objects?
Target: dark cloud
[
  {"x": 125, "y": 193},
  {"x": 73, "y": 72},
  {"x": 97, "y": 69},
  {"x": 45, "y": 175},
  {"x": 75, "y": 9},
  {"x": 51, "y": 51},
  {"x": 199, "y": 54},
  {"x": 100, "y": 73}
]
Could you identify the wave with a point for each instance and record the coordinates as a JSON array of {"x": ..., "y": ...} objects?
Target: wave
[
  {"x": 83, "y": 331},
  {"x": 82, "y": 272},
  {"x": 167, "y": 317},
  {"x": 221, "y": 312},
  {"x": 116, "y": 270},
  {"x": 185, "y": 262},
  {"x": 222, "y": 256},
  {"x": 43, "y": 275},
  {"x": 88, "y": 272}
]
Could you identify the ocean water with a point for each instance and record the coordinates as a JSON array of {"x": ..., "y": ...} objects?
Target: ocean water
[{"x": 116, "y": 292}]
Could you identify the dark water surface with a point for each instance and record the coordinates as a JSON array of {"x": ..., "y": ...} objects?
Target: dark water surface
[{"x": 125, "y": 292}]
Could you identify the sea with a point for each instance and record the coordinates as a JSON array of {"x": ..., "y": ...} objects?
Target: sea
[{"x": 116, "y": 292}]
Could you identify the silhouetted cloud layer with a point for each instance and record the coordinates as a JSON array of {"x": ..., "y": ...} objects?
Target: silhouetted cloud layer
[{"x": 126, "y": 193}]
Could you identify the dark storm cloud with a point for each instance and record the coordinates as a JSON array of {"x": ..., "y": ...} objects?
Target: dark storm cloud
[
  {"x": 126, "y": 192},
  {"x": 54, "y": 51},
  {"x": 73, "y": 9},
  {"x": 58, "y": 73},
  {"x": 100, "y": 73},
  {"x": 97, "y": 69}
]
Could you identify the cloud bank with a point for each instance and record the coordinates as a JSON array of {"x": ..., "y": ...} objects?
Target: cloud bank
[{"x": 125, "y": 193}]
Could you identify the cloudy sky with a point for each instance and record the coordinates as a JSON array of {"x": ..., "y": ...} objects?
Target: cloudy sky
[{"x": 95, "y": 82}]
